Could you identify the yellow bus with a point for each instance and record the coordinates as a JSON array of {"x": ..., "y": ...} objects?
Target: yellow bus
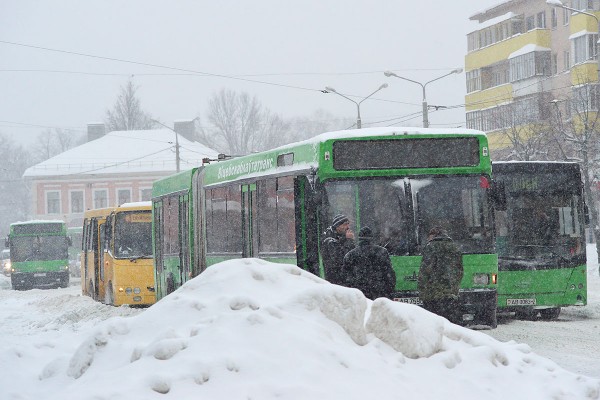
[{"x": 117, "y": 265}]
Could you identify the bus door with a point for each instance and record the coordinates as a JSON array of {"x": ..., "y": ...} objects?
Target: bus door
[
  {"x": 184, "y": 238},
  {"x": 99, "y": 273},
  {"x": 249, "y": 221}
]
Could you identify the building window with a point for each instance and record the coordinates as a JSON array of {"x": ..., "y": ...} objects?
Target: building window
[
  {"x": 529, "y": 65},
  {"x": 77, "y": 201},
  {"x": 585, "y": 98},
  {"x": 566, "y": 60},
  {"x": 100, "y": 198},
  {"x": 566, "y": 16},
  {"x": 584, "y": 48},
  {"x": 53, "y": 202},
  {"x": 145, "y": 194},
  {"x": 584, "y": 5},
  {"x": 554, "y": 17},
  {"x": 123, "y": 196},
  {"x": 554, "y": 63},
  {"x": 530, "y": 23},
  {"x": 473, "y": 80},
  {"x": 541, "y": 20}
]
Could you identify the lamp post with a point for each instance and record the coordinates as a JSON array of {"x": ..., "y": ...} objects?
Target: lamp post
[
  {"x": 329, "y": 89},
  {"x": 423, "y": 85},
  {"x": 177, "y": 160}
]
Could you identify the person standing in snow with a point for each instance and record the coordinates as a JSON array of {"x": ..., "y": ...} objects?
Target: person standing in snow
[
  {"x": 369, "y": 267},
  {"x": 339, "y": 240},
  {"x": 440, "y": 275}
]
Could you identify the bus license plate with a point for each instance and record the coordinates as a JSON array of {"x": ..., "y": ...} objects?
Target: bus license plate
[
  {"x": 520, "y": 302},
  {"x": 409, "y": 300},
  {"x": 40, "y": 275}
]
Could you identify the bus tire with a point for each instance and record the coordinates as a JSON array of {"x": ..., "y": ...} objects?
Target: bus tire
[
  {"x": 170, "y": 284},
  {"x": 550, "y": 314},
  {"x": 92, "y": 291},
  {"x": 109, "y": 296},
  {"x": 492, "y": 318},
  {"x": 526, "y": 314}
]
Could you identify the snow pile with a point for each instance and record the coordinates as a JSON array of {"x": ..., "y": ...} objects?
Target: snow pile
[{"x": 248, "y": 329}]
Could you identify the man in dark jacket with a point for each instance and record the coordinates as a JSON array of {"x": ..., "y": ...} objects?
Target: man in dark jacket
[
  {"x": 440, "y": 275},
  {"x": 339, "y": 240},
  {"x": 369, "y": 267}
]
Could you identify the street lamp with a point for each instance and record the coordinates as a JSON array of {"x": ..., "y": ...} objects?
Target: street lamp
[
  {"x": 177, "y": 160},
  {"x": 425, "y": 109},
  {"x": 329, "y": 89}
]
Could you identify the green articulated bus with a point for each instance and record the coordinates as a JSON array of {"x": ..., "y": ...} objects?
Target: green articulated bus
[
  {"x": 39, "y": 254},
  {"x": 540, "y": 236},
  {"x": 275, "y": 205}
]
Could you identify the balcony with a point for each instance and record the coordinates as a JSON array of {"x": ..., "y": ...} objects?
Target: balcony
[{"x": 501, "y": 50}]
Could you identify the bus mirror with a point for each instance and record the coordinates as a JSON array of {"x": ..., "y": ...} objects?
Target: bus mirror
[
  {"x": 6, "y": 242},
  {"x": 498, "y": 196},
  {"x": 69, "y": 241}
]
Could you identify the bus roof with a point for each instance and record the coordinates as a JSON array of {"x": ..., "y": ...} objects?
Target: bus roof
[{"x": 305, "y": 155}]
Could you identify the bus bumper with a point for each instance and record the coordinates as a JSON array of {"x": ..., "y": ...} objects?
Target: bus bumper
[
  {"x": 39, "y": 279},
  {"x": 479, "y": 306}
]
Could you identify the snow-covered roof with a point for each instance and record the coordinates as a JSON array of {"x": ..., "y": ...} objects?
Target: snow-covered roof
[
  {"x": 479, "y": 14},
  {"x": 124, "y": 152},
  {"x": 494, "y": 21}
]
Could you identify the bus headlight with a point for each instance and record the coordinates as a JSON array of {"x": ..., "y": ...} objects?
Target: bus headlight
[
  {"x": 481, "y": 279},
  {"x": 128, "y": 290},
  {"x": 137, "y": 290}
]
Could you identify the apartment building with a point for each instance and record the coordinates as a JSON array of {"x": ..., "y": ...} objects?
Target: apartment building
[{"x": 527, "y": 62}]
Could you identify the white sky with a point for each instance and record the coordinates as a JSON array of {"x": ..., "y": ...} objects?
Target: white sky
[
  {"x": 309, "y": 44},
  {"x": 249, "y": 329}
]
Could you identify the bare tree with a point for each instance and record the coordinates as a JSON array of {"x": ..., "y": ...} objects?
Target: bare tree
[
  {"x": 525, "y": 125},
  {"x": 318, "y": 122},
  {"x": 238, "y": 124},
  {"x": 127, "y": 114},
  {"x": 14, "y": 194},
  {"x": 52, "y": 142}
]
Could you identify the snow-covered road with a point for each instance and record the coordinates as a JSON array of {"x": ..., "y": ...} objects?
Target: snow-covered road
[{"x": 573, "y": 341}]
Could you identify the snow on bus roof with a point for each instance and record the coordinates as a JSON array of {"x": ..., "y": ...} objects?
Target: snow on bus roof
[
  {"x": 137, "y": 204},
  {"x": 39, "y": 221}
]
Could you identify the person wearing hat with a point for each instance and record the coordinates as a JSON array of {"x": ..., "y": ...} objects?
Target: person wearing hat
[
  {"x": 440, "y": 274},
  {"x": 339, "y": 240},
  {"x": 369, "y": 267}
]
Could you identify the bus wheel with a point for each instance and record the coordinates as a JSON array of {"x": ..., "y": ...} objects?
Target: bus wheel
[
  {"x": 170, "y": 284},
  {"x": 492, "y": 318},
  {"x": 92, "y": 292},
  {"x": 526, "y": 314},
  {"x": 549, "y": 314},
  {"x": 109, "y": 297}
]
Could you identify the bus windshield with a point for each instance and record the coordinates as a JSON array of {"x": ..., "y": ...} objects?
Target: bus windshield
[
  {"x": 542, "y": 227},
  {"x": 38, "y": 248},
  {"x": 400, "y": 211},
  {"x": 133, "y": 235}
]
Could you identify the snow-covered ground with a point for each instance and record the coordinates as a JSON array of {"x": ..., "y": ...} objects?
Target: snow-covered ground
[{"x": 253, "y": 330}]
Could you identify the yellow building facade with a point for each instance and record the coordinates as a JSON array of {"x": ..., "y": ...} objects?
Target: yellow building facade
[{"x": 527, "y": 61}]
